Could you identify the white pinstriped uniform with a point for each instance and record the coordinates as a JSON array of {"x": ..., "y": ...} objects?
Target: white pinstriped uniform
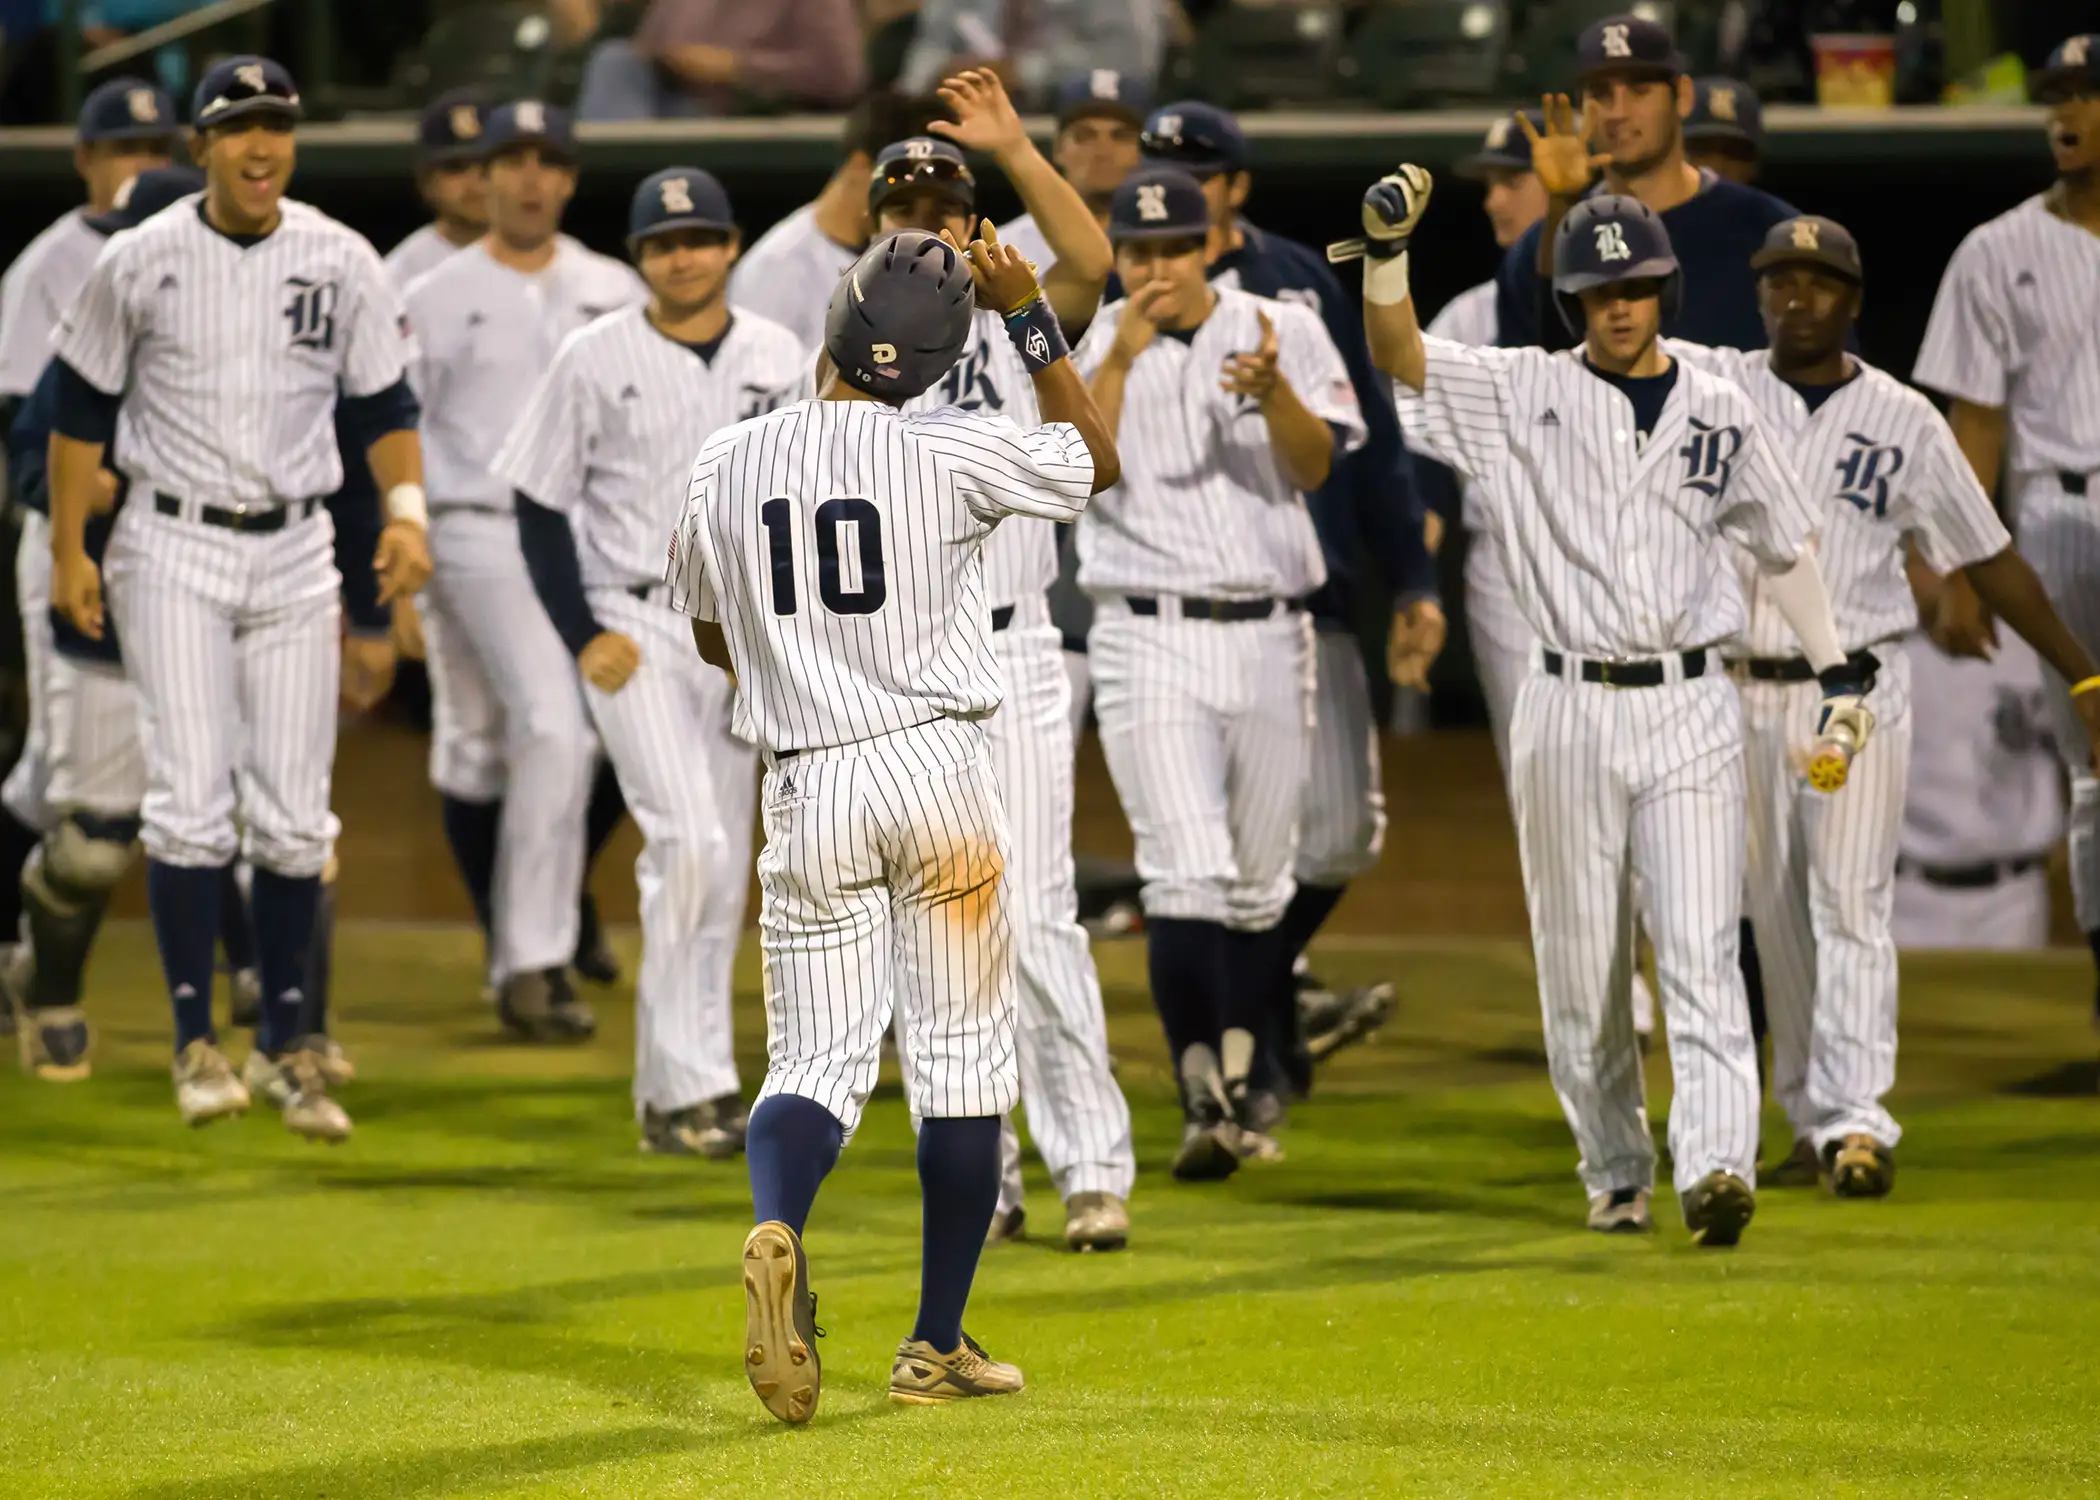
[
  {"x": 1879, "y": 462},
  {"x": 1986, "y": 790},
  {"x": 229, "y": 360},
  {"x": 508, "y": 715},
  {"x": 1207, "y": 725},
  {"x": 1501, "y": 640},
  {"x": 787, "y": 274},
  {"x": 838, "y": 545},
  {"x": 607, "y": 440},
  {"x": 422, "y": 252},
  {"x": 1076, "y": 1112},
  {"x": 2013, "y": 328},
  {"x": 34, "y": 294},
  {"x": 1619, "y": 550}
]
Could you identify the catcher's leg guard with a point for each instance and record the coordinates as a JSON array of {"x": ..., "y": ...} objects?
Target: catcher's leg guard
[{"x": 66, "y": 886}]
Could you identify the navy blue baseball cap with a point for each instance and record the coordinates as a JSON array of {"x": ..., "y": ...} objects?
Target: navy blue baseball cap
[
  {"x": 1725, "y": 109},
  {"x": 1199, "y": 138},
  {"x": 1811, "y": 240},
  {"x": 126, "y": 109},
  {"x": 1627, "y": 44},
  {"x": 677, "y": 198},
  {"x": 1506, "y": 147},
  {"x": 146, "y": 195},
  {"x": 452, "y": 128},
  {"x": 242, "y": 86},
  {"x": 2073, "y": 68},
  {"x": 529, "y": 122},
  {"x": 1104, "y": 92},
  {"x": 922, "y": 161},
  {"x": 1158, "y": 203}
]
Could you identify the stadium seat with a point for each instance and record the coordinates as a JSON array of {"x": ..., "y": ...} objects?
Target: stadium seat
[
  {"x": 1251, "y": 55},
  {"x": 1412, "y": 54}
]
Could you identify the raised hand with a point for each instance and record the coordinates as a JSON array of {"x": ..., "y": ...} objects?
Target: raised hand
[
  {"x": 1254, "y": 374},
  {"x": 985, "y": 118},
  {"x": 1394, "y": 204},
  {"x": 1005, "y": 277},
  {"x": 1561, "y": 157}
]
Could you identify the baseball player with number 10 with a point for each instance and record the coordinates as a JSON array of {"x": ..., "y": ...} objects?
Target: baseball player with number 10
[
  {"x": 1615, "y": 480},
  {"x": 829, "y": 554},
  {"x": 208, "y": 344}
]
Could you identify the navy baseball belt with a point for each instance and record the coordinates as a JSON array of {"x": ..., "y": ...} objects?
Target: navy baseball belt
[
  {"x": 1002, "y": 617},
  {"x": 240, "y": 518},
  {"x": 1788, "y": 668},
  {"x": 646, "y": 592},
  {"x": 1625, "y": 674},
  {"x": 1977, "y": 877},
  {"x": 1224, "y": 611},
  {"x": 2074, "y": 484}
]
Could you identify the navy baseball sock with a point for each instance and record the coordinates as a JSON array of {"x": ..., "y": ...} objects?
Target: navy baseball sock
[
  {"x": 287, "y": 908},
  {"x": 1753, "y": 985},
  {"x": 1253, "y": 961},
  {"x": 185, "y": 907},
  {"x": 1186, "y": 962},
  {"x": 471, "y": 828},
  {"x": 320, "y": 960},
  {"x": 958, "y": 1191},
  {"x": 17, "y": 839},
  {"x": 791, "y": 1144},
  {"x": 236, "y": 932},
  {"x": 1305, "y": 916},
  {"x": 601, "y": 819}
]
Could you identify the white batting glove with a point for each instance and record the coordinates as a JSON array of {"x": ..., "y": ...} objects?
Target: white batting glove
[{"x": 1393, "y": 205}]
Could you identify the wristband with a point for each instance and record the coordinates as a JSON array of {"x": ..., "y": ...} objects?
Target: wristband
[
  {"x": 1036, "y": 337},
  {"x": 406, "y": 502},
  {"x": 1385, "y": 279},
  {"x": 2090, "y": 684}
]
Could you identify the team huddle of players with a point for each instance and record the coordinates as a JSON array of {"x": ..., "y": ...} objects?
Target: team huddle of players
[{"x": 1698, "y": 524}]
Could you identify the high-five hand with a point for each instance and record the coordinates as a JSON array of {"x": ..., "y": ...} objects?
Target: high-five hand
[
  {"x": 1561, "y": 157},
  {"x": 985, "y": 118},
  {"x": 1005, "y": 277},
  {"x": 1392, "y": 206}
]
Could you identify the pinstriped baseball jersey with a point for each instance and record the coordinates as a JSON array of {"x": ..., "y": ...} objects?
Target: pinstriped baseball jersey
[
  {"x": 1202, "y": 509},
  {"x": 788, "y": 273},
  {"x": 233, "y": 354},
  {"x": 1879, "y": 461},
  {"x": 1615, "y": 549},
  {"x": 2013, "y": 327},
  {"x": 609, "y": 434},
  {"x": 837, "y": 542},
  {"x": 1468, "y": 318},
  {"x": 1984, "y": 780},
  {"x": 484, "y": 334},
  {"x": 35, "y": 293},
  {"x": 418, "y": 255}
]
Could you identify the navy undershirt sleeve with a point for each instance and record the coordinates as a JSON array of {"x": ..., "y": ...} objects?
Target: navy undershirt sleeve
[
  {"x": 557, "y": 572},
  {"x": 84, "y": 414},
  {"x": 394, "y": 409}
]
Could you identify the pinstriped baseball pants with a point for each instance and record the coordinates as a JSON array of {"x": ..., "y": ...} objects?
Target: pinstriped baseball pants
[
  {"x": 97, "y": 763},
  {"x": 233, "y": 642},
  {"x": 1612, "y": 785},
  {"x": 882, "y": 886},
  {"x": 691, "y": 786},
  {"x": 1499, "y": 635},
  {"x": 1207, "y": 727},
  {"x": 1821, "y": 894},
  {"x": 2059, "y": 534},
  {"x": 1341, "y": 819},
  {"x": 27, "y": 788}
]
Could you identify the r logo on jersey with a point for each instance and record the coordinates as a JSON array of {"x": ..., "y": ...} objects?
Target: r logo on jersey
[
  {"x": 311, "y": 312},
  {"x": 1615, "y": 42},
  {"x": 677, "y": 196},
  {"x": 1152, "y": 201},
  {"x": 1709, "y": 458},
  {"x": 1866, "y": 470},
  {"x": 1611, "y": 243}
]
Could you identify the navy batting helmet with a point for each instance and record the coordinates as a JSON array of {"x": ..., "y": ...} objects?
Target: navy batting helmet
[
  {"x": 901, "y": 315},
  {"x": 1607, "y": 239}
]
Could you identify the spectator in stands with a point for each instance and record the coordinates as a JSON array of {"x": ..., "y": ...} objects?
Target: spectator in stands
[
  {"x": 716, "y": 57},
  {"x": 1725, "y": 132},
  {"x": 1035, "y": 46}
]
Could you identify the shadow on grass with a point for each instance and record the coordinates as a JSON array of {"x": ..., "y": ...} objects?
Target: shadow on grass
[
  {"x": 2071, "y": 1080},
  {"x": 438, "y": 1471}
]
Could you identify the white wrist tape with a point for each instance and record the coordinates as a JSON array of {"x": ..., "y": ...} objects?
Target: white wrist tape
[
  {"x": 1385, "y": 281},
  {"x": 407, "y": 502}
]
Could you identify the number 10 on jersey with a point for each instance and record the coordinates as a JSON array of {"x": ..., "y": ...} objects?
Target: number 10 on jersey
[{"x": 849, "y": 556}]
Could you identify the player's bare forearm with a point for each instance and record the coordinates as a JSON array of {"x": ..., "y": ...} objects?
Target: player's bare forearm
[
  {"x": 1061, "y": 396},
  {"x": 1396, "y": 341},
  {"x": 71, "y": 467},
  {"x": 396, "y": 458},
  {"x": 1073, "y": 282},
  {"x": 1979, "y": 431},
  {"x": 1925, "y": 584},
  {"x": 1304, "y": 443},
  {"x": 713, "y": 646},
  {"x": 1107, "y": 390},
  {"x": 2009, "y": 586}
]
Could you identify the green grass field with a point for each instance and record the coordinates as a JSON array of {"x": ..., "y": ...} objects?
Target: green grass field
[{"x": 489, "y": 1293}]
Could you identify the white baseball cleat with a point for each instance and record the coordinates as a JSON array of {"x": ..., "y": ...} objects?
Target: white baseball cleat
[{"x": 205, "y": 1086}]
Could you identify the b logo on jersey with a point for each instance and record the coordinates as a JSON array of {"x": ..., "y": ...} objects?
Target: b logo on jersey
[
  {"x": 1866, "y": 470},
  {"x": 1611, "y": 243},
  {"x": 1152, "y": 201},
  {"x": 1615, "y": 42},
  {"x": 311, "y": 312},
  {"x": 1709, "y": 458},
  {"x": 677, "y": 196}
]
